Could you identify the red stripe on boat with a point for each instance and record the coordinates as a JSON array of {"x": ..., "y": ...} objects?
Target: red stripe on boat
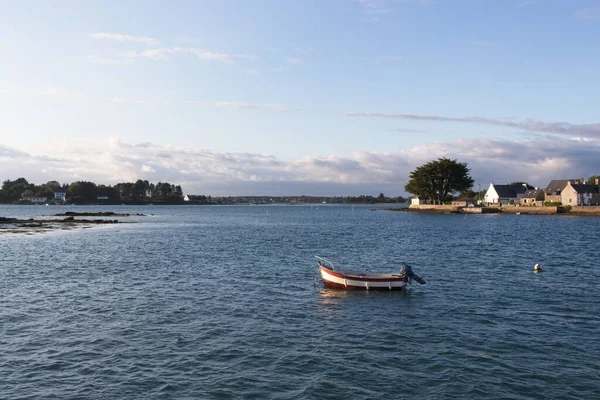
[{"x": 335, "y": 285}]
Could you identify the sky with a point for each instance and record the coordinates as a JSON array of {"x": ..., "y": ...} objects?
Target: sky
[{"x": 311, "y": 97}]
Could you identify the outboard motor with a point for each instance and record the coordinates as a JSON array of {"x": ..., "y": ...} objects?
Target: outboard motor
[{"x": 408, "y": 274}]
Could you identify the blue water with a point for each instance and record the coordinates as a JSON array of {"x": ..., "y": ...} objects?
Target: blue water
[{"x": 218, "y": 302}]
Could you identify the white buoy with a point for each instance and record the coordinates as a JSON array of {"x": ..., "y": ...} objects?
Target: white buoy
[{"x": 537, "y": 268}]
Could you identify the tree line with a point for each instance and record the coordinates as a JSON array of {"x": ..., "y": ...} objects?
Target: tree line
[
  {"x": 85, "y": 192},
  {"x": 232, "y": 200}
]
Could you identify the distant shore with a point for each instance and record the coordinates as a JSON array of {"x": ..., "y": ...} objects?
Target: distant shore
[
  {"x": 510, "y": 210},
  {"x": 214, "y": 203}
]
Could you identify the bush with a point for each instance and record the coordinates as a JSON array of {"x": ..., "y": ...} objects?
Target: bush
[{"x": 552, "y": 203}]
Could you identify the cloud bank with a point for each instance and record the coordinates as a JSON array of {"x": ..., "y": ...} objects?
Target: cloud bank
[
  {"x": 220, "y": 173},
  {"x": 559, "y": 128}
]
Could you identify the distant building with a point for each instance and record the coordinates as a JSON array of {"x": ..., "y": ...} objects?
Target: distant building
[
  {"x": 533, "y": 197},
  {"x": 186, "y": 198},
  {"x": 60, "y": 195},
  {"x": 36, "y": 200},
  {"x": 504, "y": 194},
  {"x": 463, "y": 202},
  {"x": 102, "y": 196},
  {"x": 419, "y": 200},
  {"x": 555, "y": 187},
  {"x": 580, "y": 195}
]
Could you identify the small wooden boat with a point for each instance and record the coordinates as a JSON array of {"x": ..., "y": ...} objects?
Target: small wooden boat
[{"x": 342, "y": 278}]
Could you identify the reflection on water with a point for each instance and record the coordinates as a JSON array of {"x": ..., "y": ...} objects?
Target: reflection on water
[{"x": 329, "y": 300}]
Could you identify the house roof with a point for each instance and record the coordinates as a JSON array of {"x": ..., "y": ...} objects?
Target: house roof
[
  {"x": 557, "y": 185},
  {"x": 510, "y": 190},
  {"x": 585, "y": 188},
  {"x": 60, "y": 191},
  {"x": 533, "y": 194}
]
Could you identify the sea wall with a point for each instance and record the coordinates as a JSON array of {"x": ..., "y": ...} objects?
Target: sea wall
[
  {"x": 480, "y": 210},
  {"x": 523, "y": 210},
  {"x": 533, "y": 210},
  {"x": 589, "y": 210},
  {"x": 435, "y": 207}
]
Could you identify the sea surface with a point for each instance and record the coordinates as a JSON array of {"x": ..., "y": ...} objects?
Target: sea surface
[{"x": 219, "y": 302}]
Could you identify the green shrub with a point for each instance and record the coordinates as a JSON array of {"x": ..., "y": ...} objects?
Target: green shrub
[{"x": 552, "y": 203}]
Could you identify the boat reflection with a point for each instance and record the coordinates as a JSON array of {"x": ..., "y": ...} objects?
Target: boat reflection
[{"x": 329, "y": 301}]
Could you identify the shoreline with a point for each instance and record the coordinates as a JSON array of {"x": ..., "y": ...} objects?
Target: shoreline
[{"x": 580, "y": 211}]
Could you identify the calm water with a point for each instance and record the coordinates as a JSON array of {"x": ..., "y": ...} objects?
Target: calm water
[{"x": 218, "y": 302}]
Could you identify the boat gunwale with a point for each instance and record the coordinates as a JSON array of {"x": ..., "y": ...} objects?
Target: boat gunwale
[{"x": 363, "y": 277}]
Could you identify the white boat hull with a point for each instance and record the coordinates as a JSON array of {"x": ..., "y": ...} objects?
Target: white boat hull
[{"x": 365, "y": 281}]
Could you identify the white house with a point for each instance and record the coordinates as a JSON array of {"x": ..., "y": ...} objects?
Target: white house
[
  {"x": 60, "y": 195},
  {"x": 36, "y": 200},
  {"x": 504, "y": 194},
  {"x": 418, "y": 200}
]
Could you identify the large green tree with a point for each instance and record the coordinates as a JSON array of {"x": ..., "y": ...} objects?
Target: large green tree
[
  {"x": 82, "y": 191},
  {"x": 440, "y": 178},
  {"x": 12, "y": 190}
]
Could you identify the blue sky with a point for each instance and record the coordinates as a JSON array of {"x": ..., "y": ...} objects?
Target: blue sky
[{"x": 298, "y": 97}]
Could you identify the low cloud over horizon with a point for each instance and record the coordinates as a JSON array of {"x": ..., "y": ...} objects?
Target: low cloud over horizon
[{"x": 215, "y": 173}]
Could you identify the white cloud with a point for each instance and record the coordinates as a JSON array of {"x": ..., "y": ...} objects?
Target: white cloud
[
  {"x": 111, "y": 161},
  {"x": 591, "y": 130},
  {"x": 373, "y": 7},
  {"x": 372, "y": 10},
  {"x": 160, "y": 54},
  {"x": 206, "y": 55},
  {"x": 125, "y": 100},
  {"x": 94, "y": 59},
  {"x": 587, "y": 14},
  {"x": 390, "y": 58},
  {"x": 7, "y": 87},
  {"x": 124, "y": 38},
  {"x": 38, "y": 91},
  {"x": 198, "y": 102},
  {"x": 216, "y": 56},
  {"x": 246, "y": 106},
  {"x": 294, "y": 60},
  {"x": 525, "y": 3},
  {"x": 54, "y": 91}
]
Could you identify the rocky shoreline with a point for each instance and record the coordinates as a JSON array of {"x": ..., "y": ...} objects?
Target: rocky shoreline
[
  {"x": 32, "y": 225},
  {"x": 96, "y": 214}
]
